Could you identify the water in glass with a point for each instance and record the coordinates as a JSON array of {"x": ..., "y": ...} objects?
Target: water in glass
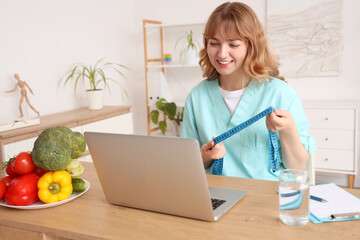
[{"x": 294, "y": 198}]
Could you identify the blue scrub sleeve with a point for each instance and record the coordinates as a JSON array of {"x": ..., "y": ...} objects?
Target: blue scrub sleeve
[
  {"x": 189, "y": 129},
  {"x": 297, "y": 111}
]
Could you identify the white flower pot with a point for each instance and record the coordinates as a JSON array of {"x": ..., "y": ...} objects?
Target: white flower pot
[
  {"x": 95, "y": 99},
  {"x": 178, "y": 128},
  {"x": 191, "y": 57}
]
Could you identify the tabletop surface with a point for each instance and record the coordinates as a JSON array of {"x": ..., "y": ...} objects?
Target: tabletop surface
[{"x": 254, "y": 217}]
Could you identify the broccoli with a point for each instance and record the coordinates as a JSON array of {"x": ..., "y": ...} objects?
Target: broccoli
[
  {"x": 53, "y": 149},
  {"x": 78, "y": 145}
]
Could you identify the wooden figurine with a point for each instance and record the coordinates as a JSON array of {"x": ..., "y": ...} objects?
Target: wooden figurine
[{"x": 22, "y": 85}]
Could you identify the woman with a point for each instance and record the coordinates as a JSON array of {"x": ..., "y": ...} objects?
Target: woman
[{"x": 242, "y": 79}]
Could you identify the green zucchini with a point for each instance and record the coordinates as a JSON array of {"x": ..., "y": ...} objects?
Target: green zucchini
[{"x": 78, "y": 185}]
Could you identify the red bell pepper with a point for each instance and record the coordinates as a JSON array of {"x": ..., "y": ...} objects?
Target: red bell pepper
[
  {"x": 22, "y": 190},
  {"x": 2, "y": 189}
]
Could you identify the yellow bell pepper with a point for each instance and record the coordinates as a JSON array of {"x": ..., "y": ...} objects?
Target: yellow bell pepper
[{"x": 55, "y": 186}]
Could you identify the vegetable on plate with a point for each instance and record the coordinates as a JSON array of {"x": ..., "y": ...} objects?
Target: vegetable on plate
[
  {"x": 75, "y": 168},
  {"x": 55, "y": 186},
  {"x": 9, "y": 170},
  {"x": 2, "y": 189},
  {"x": 79, "y": 185},
  {"x": 78, "y": 145},
  {"x": 39, "y": 171},
  {"x": 55, "y": 147},
  {"x": 22, "y": 190},
  {"x": 7, "y": 180},
  {"x": 22, "y": 164}
]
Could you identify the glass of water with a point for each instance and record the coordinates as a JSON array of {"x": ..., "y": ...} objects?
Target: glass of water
[{"x": 294, "y": 197}]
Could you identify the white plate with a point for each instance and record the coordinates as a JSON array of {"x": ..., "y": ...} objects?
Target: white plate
[{"x": 39, "y": 204}]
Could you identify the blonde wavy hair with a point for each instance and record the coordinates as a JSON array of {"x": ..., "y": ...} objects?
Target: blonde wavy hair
[{"x": 238, "y": 21}]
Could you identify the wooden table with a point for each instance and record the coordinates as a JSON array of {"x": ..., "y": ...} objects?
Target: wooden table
[{"x": 91, "y": 217}]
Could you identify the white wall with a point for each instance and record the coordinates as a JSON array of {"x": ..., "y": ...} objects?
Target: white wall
[
  {"x": 347, "y": 85},
  {"x": 40, "y": 39}
]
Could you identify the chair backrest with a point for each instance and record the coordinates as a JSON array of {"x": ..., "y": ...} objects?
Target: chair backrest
[{"x": 310, "y": 167}]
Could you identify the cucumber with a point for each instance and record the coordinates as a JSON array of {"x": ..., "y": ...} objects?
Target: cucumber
[{"x": 78, "y": 185}]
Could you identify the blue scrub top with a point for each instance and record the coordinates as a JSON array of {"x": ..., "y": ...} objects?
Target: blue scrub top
[{"x": 247, "y": 152}]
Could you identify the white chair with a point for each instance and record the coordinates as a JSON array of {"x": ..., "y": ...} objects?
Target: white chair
[{"x": 310, "y": 167}]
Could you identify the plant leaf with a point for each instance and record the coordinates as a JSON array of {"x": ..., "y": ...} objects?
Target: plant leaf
[
  {"x": 103, "y": 78},
  {"x": 95, "y": 74},
  {"x": 95, "y": 66},
  {"x": 163, "y": 126},
  {"x": 154, "y": 116},
  {"x": 160, "y": 104},
  {"x": 170, "y": 109}
]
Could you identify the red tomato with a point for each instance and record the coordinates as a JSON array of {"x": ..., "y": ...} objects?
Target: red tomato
[
  {"x": 2, "y": 189},
  {"x": 7, "y": 180},
  {"x": 9, "y": 171},
  {"x": 23, "y": 164},
  {"x": 22, "y": 190},
  {"x": 39, "y": 171}
]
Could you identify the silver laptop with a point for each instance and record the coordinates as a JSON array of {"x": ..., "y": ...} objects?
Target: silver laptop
[{"x": 161, "y": 174}]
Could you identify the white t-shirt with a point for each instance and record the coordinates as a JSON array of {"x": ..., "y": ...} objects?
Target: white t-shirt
[{"x": 232, "y": 98}]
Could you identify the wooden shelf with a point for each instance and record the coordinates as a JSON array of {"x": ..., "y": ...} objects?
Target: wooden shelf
[
  {"x": 72, "y": 118},
  {"x": 171, "y": 66},
  {"x": 152, "y": 25}
]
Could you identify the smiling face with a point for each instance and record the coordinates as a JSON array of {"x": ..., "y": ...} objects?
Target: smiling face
[
  {"x": 227, "y": 56},
  {"x": 253, "y": 59}
]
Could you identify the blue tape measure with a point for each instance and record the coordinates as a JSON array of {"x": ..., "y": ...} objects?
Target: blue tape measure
[{"x": 274, "y": 153}]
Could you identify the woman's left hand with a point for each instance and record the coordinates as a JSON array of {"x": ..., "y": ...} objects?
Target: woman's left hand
[{"x": 281, "y": 121}]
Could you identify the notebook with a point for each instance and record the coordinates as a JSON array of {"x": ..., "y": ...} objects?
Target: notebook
[{"x": 160, "y": 174}]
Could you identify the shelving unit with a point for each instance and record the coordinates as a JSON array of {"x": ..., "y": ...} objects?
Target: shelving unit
[
  {"x": 147, "y": 61},
  {"x": 157, "y": 63}
]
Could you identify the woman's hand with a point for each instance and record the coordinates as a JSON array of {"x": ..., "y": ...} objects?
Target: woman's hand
[
  {"x": 210, "y": 151},
  {"x": 281, "y": 121}
]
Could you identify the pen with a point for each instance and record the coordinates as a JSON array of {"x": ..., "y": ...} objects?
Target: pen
[
  {"x": 344, "y": 215},
  {"x": 312, "y": 197},
  {"x": 319, "y": 199}
]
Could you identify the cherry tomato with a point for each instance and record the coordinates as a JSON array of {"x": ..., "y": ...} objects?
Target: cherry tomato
[
  {"x": 2, "y": 189},
  {"x": 39, "y": 171},
  {"x": 23, "y": 164},
  {"x": 22, "y": 190},
  {"x": 7, "y": 180},
  {"x": 9, "y": 170}
]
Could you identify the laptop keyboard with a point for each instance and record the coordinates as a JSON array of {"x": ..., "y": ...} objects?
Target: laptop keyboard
[{"x": 216, "y": 202}]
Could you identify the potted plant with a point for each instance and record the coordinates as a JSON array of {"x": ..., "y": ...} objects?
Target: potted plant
[
  {"x": 170, "y": 110},
  {"x": 189, "y": 48},
  {"x": 95, "y": 75}
]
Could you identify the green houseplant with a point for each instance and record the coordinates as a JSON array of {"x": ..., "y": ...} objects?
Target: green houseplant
[
  {"x": 95, "y": 77},
  {"x": 170, "y": 110},
  {"x": 189, "y": 48}
]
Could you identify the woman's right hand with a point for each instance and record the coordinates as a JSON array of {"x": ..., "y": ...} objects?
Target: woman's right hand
[{"x": 210, "y": 151}]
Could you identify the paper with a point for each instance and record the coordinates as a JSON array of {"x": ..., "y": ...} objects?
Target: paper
[
  {"x": 10, "y": 124},
  {"x": 338, "y": 201}
]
